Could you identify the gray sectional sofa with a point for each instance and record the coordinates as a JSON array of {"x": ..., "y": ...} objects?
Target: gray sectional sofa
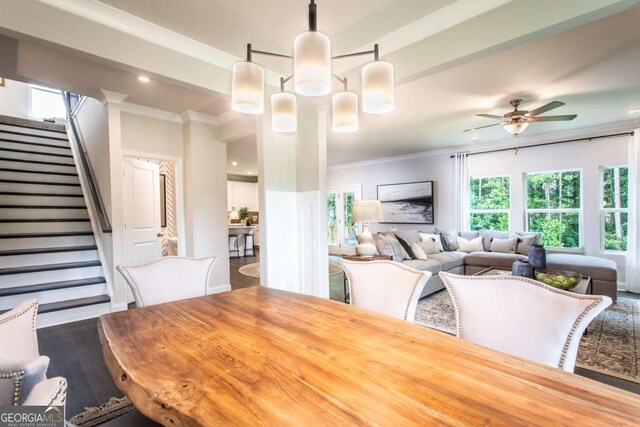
[{"x": 603, "y": 272}]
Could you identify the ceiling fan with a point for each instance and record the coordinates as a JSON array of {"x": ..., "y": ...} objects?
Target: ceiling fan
[{"x": 516, "y": 121}]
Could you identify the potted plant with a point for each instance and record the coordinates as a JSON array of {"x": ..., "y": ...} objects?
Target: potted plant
[{"x": 243, "y": 215}]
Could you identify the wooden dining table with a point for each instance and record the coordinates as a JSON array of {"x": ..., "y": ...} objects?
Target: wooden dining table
[{"x": 260, "y": 356}]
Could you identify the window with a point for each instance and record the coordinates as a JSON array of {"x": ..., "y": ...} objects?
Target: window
[
  {"x": 554, "y": 207},
  {"x": 490, "y": 202},
  {"x": 45, "y": 103},
  {"x": 341, "y": 229},
  {"x": 615, "y": 207}
]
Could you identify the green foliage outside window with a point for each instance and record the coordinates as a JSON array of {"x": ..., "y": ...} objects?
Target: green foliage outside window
[
  {"x": 490, "y": 194},
  {"x": 615, "y": 197}
]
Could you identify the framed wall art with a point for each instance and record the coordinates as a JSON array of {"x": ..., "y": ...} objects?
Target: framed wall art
[{"x": 407, "y": 203}]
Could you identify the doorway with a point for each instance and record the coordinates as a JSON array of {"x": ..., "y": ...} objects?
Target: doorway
[{"x": 342, "y": 231}]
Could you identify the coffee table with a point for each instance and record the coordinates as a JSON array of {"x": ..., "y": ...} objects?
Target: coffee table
[{"x": 584, "y": 287}]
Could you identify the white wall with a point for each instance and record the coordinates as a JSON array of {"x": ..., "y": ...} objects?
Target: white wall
[
  {"x": 151, "y": 136},
  {"x": 438, "y": 169},
  {"x": 14, "y": 99}
]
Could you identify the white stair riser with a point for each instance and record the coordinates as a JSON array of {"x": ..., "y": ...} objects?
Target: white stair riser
[
  {"x": 54, "y": 143},
  {"x": 35, "y": 148},
  {"x": 49, "y": 258},
  {"x": 30, "y": 131},
  {"x": 72, "y": 315},
  {"x": 39, "y": 177},
  {"x": 35, "y": 167},
  {"x": 11, "y": 280},
  {"x": 39, "y": 188},
  {"x": 41, "y": 200},
  {"x": 42, "y": 213},
  {"x": 36, "y": 157},
  {"x": 46, "y": 242},
  {"x": 41, "y": 227},
  {"x": 47, "y": 297}
]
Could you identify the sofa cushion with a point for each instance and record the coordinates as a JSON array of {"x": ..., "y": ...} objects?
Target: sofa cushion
[
  {"x": 431, "y": 265},
  {"x": 408, "y": 235},
  {"x": 430, "y": 246},
  {"x": 504, "y": 245},
  {"x": 469, "y": 235},
  {"x": 487, "y": 235},
  {"x": 492, "y": 259},
  {"x": 418, "y": 252},
  {"x": 527, "y": 238},
  {"x": 449, "y": 260},
  {"x": 594, "y": 267}
]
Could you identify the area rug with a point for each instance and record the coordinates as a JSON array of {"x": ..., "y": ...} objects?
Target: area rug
[
  {"x": 253, "y": 270},
  {"x": 611, "y": 347},
  {"x": 114, "y": 408}
]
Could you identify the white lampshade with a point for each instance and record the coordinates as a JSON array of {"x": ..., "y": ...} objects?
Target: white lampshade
[
  {"x": 378, "y": 90},
  {"x": 367, "y": 211},
  {"x": 247, "y": 88},
  {"x": 312, "y": 64},
  {"x": 284, "y": 116},
  {"x": 345, "y": 112},
  {"x": 516, "y": 127}
]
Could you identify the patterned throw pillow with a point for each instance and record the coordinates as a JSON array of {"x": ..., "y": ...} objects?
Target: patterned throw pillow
[
  {"x": 524, "y": 242},
  {"x": 504, "y": 245},
  {"x": 390, "y": 247},
  {"x": 418, "y": 251},
  {"x": 469, "y": 246},
  {"x": 435, "y": 237},
  {"x": 408, "y": 252},
  {"x": 430, "y": 246}
]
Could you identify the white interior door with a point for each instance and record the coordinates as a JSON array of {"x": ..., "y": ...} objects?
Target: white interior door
[{"x": 141, "y": 211}]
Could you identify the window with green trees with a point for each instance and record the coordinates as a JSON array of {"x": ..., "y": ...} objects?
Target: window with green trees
[
  {"x": 490, "y": 202},
  {"x": 554, "y": 207},
  {"x": 615, "y": 207}
]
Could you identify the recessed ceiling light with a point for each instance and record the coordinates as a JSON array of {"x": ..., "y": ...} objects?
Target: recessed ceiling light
[
  {"x": 634, "y": 111},
  {"x": 234, "y": 163},
  {"x": 473, "y": 138},
  {"x": 144, "y": 79}
]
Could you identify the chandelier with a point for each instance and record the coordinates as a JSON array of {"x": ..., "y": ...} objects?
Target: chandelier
[{"x": 312, "y": 76}]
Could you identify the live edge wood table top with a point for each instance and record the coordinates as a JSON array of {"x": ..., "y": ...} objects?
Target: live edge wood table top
[{"x": 259, "y": 356}]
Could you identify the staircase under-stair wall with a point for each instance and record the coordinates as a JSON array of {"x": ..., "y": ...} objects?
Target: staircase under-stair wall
[{"x": 47, "y": 247}]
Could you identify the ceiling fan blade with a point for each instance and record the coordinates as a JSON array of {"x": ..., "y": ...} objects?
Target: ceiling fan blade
[
  {"x": 490, "y": 116},
  {"x": 482, "y": 127},
  {"x": 564, "y": 118},
  {"x": 548, "y": 107}
]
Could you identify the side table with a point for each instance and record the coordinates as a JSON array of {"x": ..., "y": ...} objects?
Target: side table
[{"x": 358, "y": 258}]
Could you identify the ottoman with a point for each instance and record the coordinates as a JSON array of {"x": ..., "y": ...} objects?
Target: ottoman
[{"x": 603, "y": 272}]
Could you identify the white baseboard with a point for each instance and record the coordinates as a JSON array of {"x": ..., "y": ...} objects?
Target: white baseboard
[
  {"x": 219, "y": 288},
  {"x": 119, "y": 307}
]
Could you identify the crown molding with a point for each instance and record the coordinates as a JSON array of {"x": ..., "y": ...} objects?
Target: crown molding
[
  {"x": 521, "y": 142},
  {"x": 106, "y": 96}
]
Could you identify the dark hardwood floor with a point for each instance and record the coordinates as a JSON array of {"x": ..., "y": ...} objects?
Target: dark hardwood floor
[{"x": 76, "y": 354}]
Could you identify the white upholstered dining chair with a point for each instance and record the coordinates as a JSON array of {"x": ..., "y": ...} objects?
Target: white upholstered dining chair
[
  {"x": 522, "y": 317},
  {"x": 23, "y": 379},
  {"x": 385, "y": 286},
  {"x": 169, "y": 278}
]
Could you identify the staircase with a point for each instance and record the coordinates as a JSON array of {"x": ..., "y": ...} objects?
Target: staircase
[{"x": 47, "y": 247}]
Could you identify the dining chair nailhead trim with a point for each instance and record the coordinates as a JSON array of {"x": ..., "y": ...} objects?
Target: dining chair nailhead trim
[
  {"x": 21, "y": 312},
  {"x": 62, "y": 387},
  {"x": 395, "y": 264},
  {"x": 596, "y": 300},
  {"x": 18, "y": 379}
]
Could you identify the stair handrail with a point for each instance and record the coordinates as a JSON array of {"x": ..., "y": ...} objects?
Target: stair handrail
[{"x": 101, "y": 212}]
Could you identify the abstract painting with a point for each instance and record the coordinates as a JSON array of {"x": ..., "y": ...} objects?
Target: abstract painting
[{"x": 407, "y": 203}]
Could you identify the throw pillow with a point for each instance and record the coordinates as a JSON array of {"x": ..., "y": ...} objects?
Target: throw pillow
[
  {"x": 430, "y": 246},
  {"x": 418, "y": 251},
  {"x": 524, "y": 242},
  {"x": 504, "y": 245},
  {"x": 405, "y": 254},
  {"x": 406, "y": 246},
  {"x": 435, "y": 237},
  {"x": 390, "y": 247},
  {"x": 474, "y": 245}
]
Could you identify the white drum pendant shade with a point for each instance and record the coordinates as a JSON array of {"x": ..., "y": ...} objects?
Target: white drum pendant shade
[
  {"x": 247, "y": 88},
  {"x": 345, "y": 112},
  {"x": 284, "y": 116},
  {"x": 378, "y": 93},
  {"x": 312, "y": 64}
]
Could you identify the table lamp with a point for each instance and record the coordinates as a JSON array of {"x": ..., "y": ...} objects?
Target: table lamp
[{"x": 366, "y": 211}]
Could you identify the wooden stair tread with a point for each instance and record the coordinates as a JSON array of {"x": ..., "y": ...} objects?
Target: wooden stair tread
[
  {"x": 37, "y": 162},
  {"x": 31, "y": 124},
  {"x": 39, "y": 172},
  {"x": 20, "y": 193},
  {"x": 41, "y": 235},
  {"x": 73, "y": 303},
  {"x": 16, "y": 150},
  {"x": 35, "y": 144},
  {"x": 21, "y": 181},
  {"x": 41, "y": 207},
  {"x": 35, "y": 251},
  {"x": 49, "y": 267},
  {"x": 52, "y": 286},
  {"x": 52, "y": 138},
  {"x": 26, "y": 220}
]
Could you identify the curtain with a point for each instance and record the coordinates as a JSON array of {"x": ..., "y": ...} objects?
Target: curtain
[
  {"x": 632, "y": 275},
  {"x": 461, "y": 190}
]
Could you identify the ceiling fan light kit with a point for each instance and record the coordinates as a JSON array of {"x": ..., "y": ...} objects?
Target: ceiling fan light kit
[{"x": 312, "y": 76}]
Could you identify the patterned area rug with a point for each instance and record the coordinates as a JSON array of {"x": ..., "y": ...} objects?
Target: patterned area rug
[
  {"x": 253, "y": 270},
  {"x": 612, "y": 346},
  {"x": 114, "y": 408}
]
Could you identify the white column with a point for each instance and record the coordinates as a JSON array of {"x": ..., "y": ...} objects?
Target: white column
[
  {"x": 632, "y": 273},
  {"x": 205, "y": 189},
  {"x": 292, "y": 185}
]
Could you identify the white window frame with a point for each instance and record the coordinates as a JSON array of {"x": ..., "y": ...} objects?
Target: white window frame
[
  {"x": 31, "y": 88},
  {"x": 604, "y": 210},
  {"x": 579, "y": 211},
  {"x": 339, "y": 191},
  {"x": 491, "y": 211}
]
